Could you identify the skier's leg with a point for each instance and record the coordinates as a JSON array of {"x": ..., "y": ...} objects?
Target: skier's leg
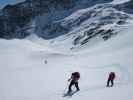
[
  {"x": 69, "y": 88},
  {"x": 112, "y": 83},
  {"x": 77, "y": 86},
  {"x": 108, "y": 83}
]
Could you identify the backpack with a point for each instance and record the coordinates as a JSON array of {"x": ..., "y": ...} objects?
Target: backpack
[
  {"x": 76, "y": 75},
  {"x": 112, "y": 75}
]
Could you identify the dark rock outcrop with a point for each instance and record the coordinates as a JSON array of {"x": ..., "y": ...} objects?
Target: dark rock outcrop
[{"x": 17, "y": 17}]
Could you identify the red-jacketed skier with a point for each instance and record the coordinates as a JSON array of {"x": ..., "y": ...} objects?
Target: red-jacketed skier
[
  {"x": 111, "y": 79},
  {"x": 74, "y": 81}
]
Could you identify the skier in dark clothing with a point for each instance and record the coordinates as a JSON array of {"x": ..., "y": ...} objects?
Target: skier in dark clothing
[
  {"x": 111, "y": 79},
  {"x": 74, "y": 81},
  {"x": 45, "y": 61}
]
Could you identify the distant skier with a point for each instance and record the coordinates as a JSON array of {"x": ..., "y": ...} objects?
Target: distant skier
[
  {"x": 45, "y": 61},
  {"x": 111, "y": 79},
  {"x": 74, "y": 81}
]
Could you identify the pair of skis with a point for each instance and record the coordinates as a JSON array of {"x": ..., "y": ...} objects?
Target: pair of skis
[{"x": 69, "y": 94}]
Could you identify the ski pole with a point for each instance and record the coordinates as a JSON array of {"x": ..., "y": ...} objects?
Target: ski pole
[{"x": 66, "y": 86}]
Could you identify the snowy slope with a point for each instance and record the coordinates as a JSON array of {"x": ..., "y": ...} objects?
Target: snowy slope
[{"x": 25, "y": 76}]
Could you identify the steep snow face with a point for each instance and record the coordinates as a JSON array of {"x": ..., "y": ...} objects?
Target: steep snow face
[
  {"x": 119, "y": 1},
  {"x": 86, "y": 26}
]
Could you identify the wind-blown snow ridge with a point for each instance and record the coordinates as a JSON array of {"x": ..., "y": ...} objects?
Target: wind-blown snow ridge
[{"x": 119, "y": 1}]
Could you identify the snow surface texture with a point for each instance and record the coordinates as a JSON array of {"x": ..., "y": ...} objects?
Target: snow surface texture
[
  {"x": 119, "y": 1},
  {"x": 24, "y": 74}
]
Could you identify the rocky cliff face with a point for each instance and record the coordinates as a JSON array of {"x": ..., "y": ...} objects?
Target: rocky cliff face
[
  {"x": 15, "y": 19},
  {"x": 96, "y": 23},
  {"x": 50, "y": 18}
]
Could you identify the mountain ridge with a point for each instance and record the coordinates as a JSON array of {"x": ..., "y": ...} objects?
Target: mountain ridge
[{"x": 17, "y": 20}]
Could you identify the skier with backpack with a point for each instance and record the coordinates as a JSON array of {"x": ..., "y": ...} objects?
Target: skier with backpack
[
  {"x": 74, "y": 81},
  {"x": 111, "y": 79}
]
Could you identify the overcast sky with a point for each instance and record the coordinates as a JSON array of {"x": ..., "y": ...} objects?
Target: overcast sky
[{"x": 5, "y": 2}]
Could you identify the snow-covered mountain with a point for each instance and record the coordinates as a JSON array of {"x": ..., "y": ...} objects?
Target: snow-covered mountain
[
  {"x": 24, "y": 75},
  {"x": 61, "y": 37},
  {"x": 46, "y": 17},
  {"x": 15, "y": 19},
  {"x": 102, "y": 21},
  {"x": 77, "y": 23}
]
